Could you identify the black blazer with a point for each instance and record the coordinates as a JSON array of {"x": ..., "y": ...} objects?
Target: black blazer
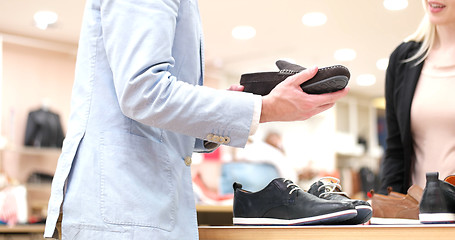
[
  {"x": 401, "y": 82},
  {"x": 43, "y": 129}
]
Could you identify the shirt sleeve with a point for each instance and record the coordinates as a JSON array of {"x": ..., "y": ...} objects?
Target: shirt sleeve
[{"x": 256, "y": 114}]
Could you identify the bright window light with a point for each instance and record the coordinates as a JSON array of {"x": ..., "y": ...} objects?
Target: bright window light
[
  {"x": 243, "y": 32},
  {"x": 345, "y": 54},
  {"x": 314, "y": 19},
  {"x": 45, "y": 18},
  {"x": 366, "y": 80},
  {"x": 395, "y": 5}
]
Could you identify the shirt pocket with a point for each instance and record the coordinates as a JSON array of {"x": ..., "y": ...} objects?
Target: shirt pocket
[{"x": 136, "y": 182}]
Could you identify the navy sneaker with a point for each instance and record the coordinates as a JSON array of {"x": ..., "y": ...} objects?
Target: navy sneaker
[
  {"x": 438, "y": 201},
  {"x": 282, "y": 202},
  {"x": 329, "y": 188}
]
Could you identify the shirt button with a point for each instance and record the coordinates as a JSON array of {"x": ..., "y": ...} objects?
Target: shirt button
[
  {"x": 188, "y": 161},
  {"x": 215, "y": 138},
  {"x": 222, "y": 140}
]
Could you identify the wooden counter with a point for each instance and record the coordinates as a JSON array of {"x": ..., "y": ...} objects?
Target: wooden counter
[
  {"x": 208, "y": 215},
  {"x": 37, "y": 228},
  {"x": 363, "y": 232},
  {"x": 214, "y": 208},
  {"x": 358, "y": 232},
  {"x": 22, "y": 232}
]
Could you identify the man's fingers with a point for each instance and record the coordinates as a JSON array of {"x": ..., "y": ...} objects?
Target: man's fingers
[
  {"x": 322, "y": 108},
  {"x": 235, "y": 87},
  {"x": 304, "y": 75},
  {"x": 325, "y": 107},
  {"x": 332, "y": 97}
]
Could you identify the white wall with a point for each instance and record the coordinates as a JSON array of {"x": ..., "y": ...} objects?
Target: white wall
[{"x": 31, "y": 75}]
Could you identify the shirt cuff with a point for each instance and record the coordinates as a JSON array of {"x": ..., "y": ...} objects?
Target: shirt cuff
[{"x": 256, "y": 114}]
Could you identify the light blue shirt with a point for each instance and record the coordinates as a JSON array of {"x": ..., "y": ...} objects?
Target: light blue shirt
[{"x": 138, "y": 111}]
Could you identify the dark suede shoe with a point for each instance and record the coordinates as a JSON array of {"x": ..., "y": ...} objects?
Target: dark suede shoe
[
  {"x": 282, "y": 202},
  {"x": 329, "y": 188},
  {"x": 328, "y": 79},
  {"x": 438, "y": 201}
]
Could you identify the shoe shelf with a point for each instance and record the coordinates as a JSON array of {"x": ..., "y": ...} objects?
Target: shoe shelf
[
  {"x": 20, "y": 162},
  {"x": 370, "y": 232}
]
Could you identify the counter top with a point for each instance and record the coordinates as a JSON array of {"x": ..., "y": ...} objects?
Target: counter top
[{"x": 325, "y": 232}]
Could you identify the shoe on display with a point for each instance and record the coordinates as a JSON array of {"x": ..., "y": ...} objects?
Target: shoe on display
[
  {"x": 327, "y": 79},
  {"x": 450, "y": 179},
  {"x": 414, "y": 191},
  {"x": 282, "y": 202},
  {"x": 396, "y": 208},
  {"x": 329, "y": 188},
  {"x": 438, "y": 200}
]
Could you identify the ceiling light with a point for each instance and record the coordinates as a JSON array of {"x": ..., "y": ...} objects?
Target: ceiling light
[
  {"x": 382, "y": 63},
  {"x": 45, "y": 18},
  {"x": 366, "y": 80},
  {"x": 395, "y": 5},
  {"x": 345, "y": 54},
  {"x": 314, "y": 19},
  {"x": 243, "y": 32}
]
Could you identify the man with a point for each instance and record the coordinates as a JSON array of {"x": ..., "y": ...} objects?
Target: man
[{"x": 138, "y": 113}]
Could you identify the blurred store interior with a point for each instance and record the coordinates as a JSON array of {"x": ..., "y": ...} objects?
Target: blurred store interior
[{"x": 347, "y": 142}]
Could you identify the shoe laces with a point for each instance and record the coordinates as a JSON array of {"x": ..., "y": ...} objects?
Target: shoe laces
[
  {"x": 291, "y": 184},
  {"x": 331, "y": 185}
]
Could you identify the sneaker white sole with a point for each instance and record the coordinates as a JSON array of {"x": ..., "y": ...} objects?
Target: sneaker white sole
[
  {"x": 437, "y": 217},
  {"x": 391, "y": 221},
  {"x": 321, "y": 219}
]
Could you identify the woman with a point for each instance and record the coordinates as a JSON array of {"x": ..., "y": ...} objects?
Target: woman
[{"x": 420, "y": 101}]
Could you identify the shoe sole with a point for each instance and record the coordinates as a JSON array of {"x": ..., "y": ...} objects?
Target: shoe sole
[
  {"x": 364, "y": 214},
  {"x": 429, "y": 218},
  {"x": 393, "y": 221},
  {"x": 321, "y": 219},
  {"x": 331, "y": 84}
]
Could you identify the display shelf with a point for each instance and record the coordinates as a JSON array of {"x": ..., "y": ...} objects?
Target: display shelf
[
  {"x": 370, "y": 232},
  {"x": 34, "y": 151},
  {"x": 19, "y": 162},
  {"x": 28, "y": 228},
  {"x": 22, "y": 232}
]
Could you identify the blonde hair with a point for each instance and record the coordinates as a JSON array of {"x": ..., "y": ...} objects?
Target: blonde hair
[{"x": 425, "y": 33}]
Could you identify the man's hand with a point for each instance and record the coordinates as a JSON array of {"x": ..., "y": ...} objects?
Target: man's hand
[
  {"x": 288, "y": 102},
  {"x": 238, "y": 88}
]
